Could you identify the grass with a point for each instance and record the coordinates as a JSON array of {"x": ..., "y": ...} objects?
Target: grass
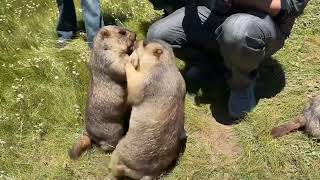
[{"x": 43, "y": 95}]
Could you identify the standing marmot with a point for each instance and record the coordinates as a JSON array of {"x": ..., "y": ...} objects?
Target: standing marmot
[
  {"x": 156, "y": 91},
  {"x": 310, "y": 120},
  {"x": 106, "y": 106}
]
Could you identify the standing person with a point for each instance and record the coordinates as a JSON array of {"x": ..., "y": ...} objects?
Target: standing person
[
  {"x": 67, "y": 23},
  {"x": 244, "y": 32}
]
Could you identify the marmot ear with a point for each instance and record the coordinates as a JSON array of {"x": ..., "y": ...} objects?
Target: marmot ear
[
  {"x": 105, "y": 33},
  {"x": 157, "y": 52}
]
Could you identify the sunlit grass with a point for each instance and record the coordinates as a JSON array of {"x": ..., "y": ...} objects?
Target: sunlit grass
[{"x": 43, "y": 92}]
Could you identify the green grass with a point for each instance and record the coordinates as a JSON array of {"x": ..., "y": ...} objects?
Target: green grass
[{"x": 43, "y": 95}]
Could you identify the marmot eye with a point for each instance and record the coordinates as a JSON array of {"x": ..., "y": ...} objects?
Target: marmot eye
[{"x": 123, "y": 32}]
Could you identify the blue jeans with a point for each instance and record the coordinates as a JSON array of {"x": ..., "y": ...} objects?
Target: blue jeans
[
  {"x": 242, "y": 39},
  {"x": 91, "y": 13}
]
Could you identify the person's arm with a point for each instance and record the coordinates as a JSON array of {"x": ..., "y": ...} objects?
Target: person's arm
[
  {"x": 271, "y": 7},
  {"x": 283, "y": 11},
  {"x": 291, "y": 8}
]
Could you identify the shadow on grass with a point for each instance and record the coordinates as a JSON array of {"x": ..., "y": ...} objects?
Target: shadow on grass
[{"x": 215, "y": 91}]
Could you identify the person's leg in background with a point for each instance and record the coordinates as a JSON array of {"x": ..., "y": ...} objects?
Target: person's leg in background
[
  {"x": 92, "y": 17},
  {"x": 245, "y": 40},
  {"x": 67, "y": 23}
]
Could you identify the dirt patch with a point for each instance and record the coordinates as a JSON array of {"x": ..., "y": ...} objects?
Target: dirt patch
[{"x": 222, "y": 141}]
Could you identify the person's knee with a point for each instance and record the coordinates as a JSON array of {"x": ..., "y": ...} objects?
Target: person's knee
[
  {"x": 241, "y": 42},
  {"x": 241, "y": 30},
  {"x": 156, "y": 31}
]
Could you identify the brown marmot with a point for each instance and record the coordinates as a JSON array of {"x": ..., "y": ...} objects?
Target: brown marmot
[
  {"x": 310, "y": 120},
  {"x": 156, "y": 91},
  {"x": 106, "y": 106}
]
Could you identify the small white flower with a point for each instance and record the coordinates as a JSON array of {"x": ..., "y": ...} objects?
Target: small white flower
[
  {"x": 20, "y": 96},
  {"x": 56, "y": 77},
  {"x": 2, "y": 142}
]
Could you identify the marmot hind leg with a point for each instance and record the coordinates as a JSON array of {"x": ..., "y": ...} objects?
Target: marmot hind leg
[
  {"x": 124, "y": 171},
  {"x": 106, "y": 147}
]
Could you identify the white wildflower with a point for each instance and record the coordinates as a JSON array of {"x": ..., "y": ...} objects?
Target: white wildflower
[
  {"x": 2, "y": 142},
  {"x": 20, "y": 96}
]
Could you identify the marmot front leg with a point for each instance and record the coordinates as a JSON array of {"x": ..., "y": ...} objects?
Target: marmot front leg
[
  {"x": 135, "y": 85},
  {"x": 117, "y": 68},
  {"x": 134, "y": 59}
]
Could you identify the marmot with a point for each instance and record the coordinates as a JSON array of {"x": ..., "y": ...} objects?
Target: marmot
[
  {"x": 310, "y": 120},
  {"x": 106, "y": 106},
  {"x": 156, "y": 91}
]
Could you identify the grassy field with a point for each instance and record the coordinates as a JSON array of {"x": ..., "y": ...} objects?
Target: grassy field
[{"x": 43, "y": 93}]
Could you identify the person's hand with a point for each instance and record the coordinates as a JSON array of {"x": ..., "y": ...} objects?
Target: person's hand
[{"x": 271, "y": 7}]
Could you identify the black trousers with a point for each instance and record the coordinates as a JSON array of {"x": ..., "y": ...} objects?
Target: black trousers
[{"x": 67, "y": 16}]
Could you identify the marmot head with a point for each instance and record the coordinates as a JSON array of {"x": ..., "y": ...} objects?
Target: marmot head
[
  {"x": 115, "y": 38},
  {"x": 150, "y": 53}
]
